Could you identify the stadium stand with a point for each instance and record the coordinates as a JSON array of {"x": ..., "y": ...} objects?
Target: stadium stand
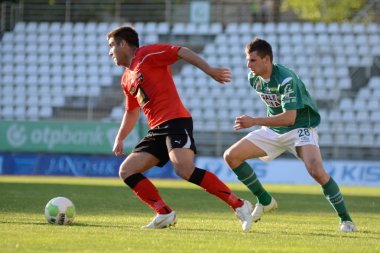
[{"x": 67, "y": 64}]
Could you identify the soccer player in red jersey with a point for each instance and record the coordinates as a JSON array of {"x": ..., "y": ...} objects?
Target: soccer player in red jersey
[{"x": 148, "y": 85}]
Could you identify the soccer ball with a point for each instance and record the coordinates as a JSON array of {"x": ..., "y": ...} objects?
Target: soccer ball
[{"x": 60, "y": 211}]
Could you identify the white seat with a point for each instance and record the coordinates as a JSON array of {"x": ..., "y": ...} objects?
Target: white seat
[
  {"x": 368, "y": 140},
  {"x": 334, "y": 115},
  {"x": 373, "y": 105},
  {"x": 31, "y": 27},
  {"x": 203, "y": 29},
  {"x": 43, "y": 27},
  {"x": 20, "y": 27},
  {"x": 244, "y": 28},
  {"x": 320, "y": 28},
  {"x": 348, "y": 39},
  {"x": 307, "y": 28},
  {"x": 79, "y": 28},
  {"x": 232, "y": 28},
  {"x": 309, "y": 39},
  {"x": 360, "y": 104},
  {"x": 282, "y": 27},
  {"x": 374, "y": 40},
  {"x": 348, "y": 116},
  {"x": 364, "y": 93},
  {"x": 365, "y": 127},
  {"x": 257, "y": 29},
  {"x": 333, "y": 28},
  {"x": 163, "y": 28},
  {"x": 362, "y": 116},
  {"x": 344, "y": 83},
  {"x": 295, "y": 40},
  {"x": 327, "y": 61},
  {"x": 7, "y": 58},
  {"x": 269, "y": 28},
  {"x": 102, "y": 28},
  {"x": 32, "y": 112},
  {"x": 375, "y": 116},
  {"x": 179, "y": 28},
  {"x": 372, "y": 28},
  {"x": 358, "y": 28},
  {"x": 57, "y": 100},
  {"x": 7, "y": 47},
  {"x": 342, "y": 72},
  {"x": 374, "y": 83},
  {"x": 46, "y": 112},
  {"x": 346, "y": 28},
  {"x": 54, "y": 27},
  {"x": 326, "y": 139},
  {"x": 345, "y": 103},
  {"x": 19, "y": 112},
  {"x": 216, "y": 28},
  {"x": 117, "y": 112},
  {"x": 294, "y": 28}
]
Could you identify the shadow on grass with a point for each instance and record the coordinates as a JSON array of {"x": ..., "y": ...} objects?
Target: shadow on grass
[{"x": 118, "y": 200}]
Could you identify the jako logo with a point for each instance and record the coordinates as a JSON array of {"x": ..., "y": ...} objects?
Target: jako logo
[{"x": 16, "y": 135}]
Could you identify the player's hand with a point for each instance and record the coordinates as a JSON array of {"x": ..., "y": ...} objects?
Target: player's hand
[
  {"x": 243, "y": 121},
  {"x": 118, "y": 148},
  {"x": 222, "y": 75}
]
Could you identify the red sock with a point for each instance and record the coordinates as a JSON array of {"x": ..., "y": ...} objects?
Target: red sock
[
  {"x": 148, "y": 193},
  {"x": 212, "y": 184}
]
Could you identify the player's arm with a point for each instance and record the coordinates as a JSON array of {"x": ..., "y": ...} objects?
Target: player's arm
[
  {"x": 286, "y": 118},
  {"x": 222, "y": 75},
  {"x": 126, "y": 126}
]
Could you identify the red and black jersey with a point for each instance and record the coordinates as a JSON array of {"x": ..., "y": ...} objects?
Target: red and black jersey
[{"x": 148, "y": 83}]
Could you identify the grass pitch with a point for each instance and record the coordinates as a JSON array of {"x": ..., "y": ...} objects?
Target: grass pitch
[{"x": 109, "y": 218}]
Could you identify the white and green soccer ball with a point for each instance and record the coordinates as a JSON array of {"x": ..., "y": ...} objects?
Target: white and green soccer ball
[{"x": 60, "y": 211}]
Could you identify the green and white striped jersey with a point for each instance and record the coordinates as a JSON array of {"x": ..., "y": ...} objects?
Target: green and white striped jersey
[{"x": 285, "y": 91}]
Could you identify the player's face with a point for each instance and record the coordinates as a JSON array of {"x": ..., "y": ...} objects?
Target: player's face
[
  {"x": 256, "y": 64},
  {"x": 118, "y": 52}
]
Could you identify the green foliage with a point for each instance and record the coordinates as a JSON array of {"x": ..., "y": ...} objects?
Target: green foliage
[
  {"x": 109, "y": 219},
  {"x": 324, "y": 10}
]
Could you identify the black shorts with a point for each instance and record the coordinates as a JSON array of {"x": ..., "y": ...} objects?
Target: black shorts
[{"x": 175, "y": 133}]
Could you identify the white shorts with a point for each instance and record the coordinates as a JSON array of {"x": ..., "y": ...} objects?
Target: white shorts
[{"x": 274, "y": 144}]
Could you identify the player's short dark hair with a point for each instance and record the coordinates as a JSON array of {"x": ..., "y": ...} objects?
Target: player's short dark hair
[
  {"x": 262, "y": 48},
  {"x": 126, "y": 33}
]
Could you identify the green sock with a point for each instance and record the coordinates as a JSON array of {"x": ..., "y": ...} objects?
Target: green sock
[
  {"x": 248, "y": 177},
  {"x": 333, "y": 195}
]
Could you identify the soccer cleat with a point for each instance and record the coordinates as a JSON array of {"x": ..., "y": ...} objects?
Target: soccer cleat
[
  {"x": 243, "y": 213},
  {"x": 163, "y": 221},
  {"x": 260, "y": 209},
  {"x": 347, "y": 226}
]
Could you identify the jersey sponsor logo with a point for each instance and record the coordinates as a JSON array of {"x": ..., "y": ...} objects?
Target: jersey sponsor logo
[
  {"x": 258, "y": 85},
  {"x": 138, "y": 91},
  {"x": 289, "y": 96},
  {"x": 141, "y": 96},
  {"x": 140, "y": 78},
  {"x": 270, "y": 100}
]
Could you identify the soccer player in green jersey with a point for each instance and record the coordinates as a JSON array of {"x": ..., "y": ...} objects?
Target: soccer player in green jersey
[{"x": 290, "y": 125}]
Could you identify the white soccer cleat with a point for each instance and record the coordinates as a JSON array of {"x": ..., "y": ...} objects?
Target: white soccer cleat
[
  {"x": 163, "y": 221},
  {"x": 347, "y": 226},
  {"x": 243, "y": 213},
  {"x": 260, "y": 209}
]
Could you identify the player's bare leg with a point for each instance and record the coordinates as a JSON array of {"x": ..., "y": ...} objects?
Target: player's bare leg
[
  {"x": 131, "y": 173},
  {"x": 183, "y": 163},
  {"x": 312, "y": 158},
  {"x": 235, "y": 157}
]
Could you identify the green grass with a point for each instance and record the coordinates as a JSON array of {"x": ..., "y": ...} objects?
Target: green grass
[{"x": 109, "y": 218}]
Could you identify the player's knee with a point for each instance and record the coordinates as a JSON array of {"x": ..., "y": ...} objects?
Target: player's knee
[
  {"x": 123, "y": 174},
  {"x": 184, "y": 171},
  {"x": 229, "y": 158},
  {"x": 315, "y": 169}
]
